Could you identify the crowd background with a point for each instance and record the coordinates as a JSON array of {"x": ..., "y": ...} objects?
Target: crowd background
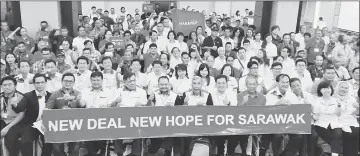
[{"x": 227, "y": 63}]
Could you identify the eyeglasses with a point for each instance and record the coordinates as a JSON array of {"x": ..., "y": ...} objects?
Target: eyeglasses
[
  {"x": 43, "y": 82},
  {"x": 277, "y": 68},
  {"x": 68, "y": 81},
  {"x": 254, "y": 68}
]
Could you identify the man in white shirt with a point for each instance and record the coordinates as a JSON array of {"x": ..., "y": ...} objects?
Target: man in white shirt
[
  {"x": 299, "y": 37},
  {"x": 129, "y": 96},
  {"x": 281, "y": 95},
  {"x": 153, "y": 39},
  {"x": 82, "y": 74},
  {"x": 112, "y": 14},
  {"x": 220, "y": 61},
  {"x": 54, "y": 77},
  {"x": 222, "y": 95},
  {"x": 152, "y": 78},
  {"x": 253, "y": 68},
  {"x": 78, "y": 42},
  {"x": 303, "y": 74},
  {"x": 226, "y": 38},
  {"x": 93, "y": 14},
  {"x": 321, "y": 23},
  {"x": 270, "y": 79}
]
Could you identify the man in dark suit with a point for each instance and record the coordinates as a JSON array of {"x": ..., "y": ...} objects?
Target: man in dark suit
[{"x": 32, "y": 105}]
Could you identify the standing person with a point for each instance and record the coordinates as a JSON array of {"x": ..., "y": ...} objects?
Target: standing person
[
  {"x": 129, "y": 96},
  {"x": 60, "y": 35},
  {"x": 39, "y": 66},
  {"x": 96, "y": 97},
  {"x": 24, "y": 37},
  {"x": 314, "y": 47},
  {"x": 286, "y": 42},
  {"x": 320, "y": 23},
  {"x": 65, "y": 98},
  {"x": 213, "y": 42},
  {"x": 30, "y": 109},
  {"x": 341, "y": 51},
  {"x": 299, "y": 37},
  {"x": 326, "y": 112},
  {"x": 9, "y": 97},
  {"x": 113, "y": 14},
  {"x": 43, "y": 34},
  {"x": 78, "y": 42},
  {"x": 7, "y": 44},
  {"x": 53, "y": 76}
]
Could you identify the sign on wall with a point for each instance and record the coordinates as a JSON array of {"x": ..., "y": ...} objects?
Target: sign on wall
[
  {"x": 148, "y": 8},
  {"x": 187, "y": 21}
]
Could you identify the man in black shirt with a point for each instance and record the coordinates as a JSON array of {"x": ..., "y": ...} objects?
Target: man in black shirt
[{"x": 213, "y": 42}]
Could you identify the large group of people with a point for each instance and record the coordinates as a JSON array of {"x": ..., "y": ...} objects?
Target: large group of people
[{"x": 225, "y": 63}]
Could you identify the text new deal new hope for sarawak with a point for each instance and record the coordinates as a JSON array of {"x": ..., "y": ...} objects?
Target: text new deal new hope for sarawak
[{"x": 174, "y": 121}]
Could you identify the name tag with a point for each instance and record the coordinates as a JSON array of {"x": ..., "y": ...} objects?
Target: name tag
[
  {"x": 316, "y": 50},
  {"x": 102, "y": 97},
  {"x": 4, "y": 115}
]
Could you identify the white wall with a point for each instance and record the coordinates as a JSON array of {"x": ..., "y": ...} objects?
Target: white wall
[
  {"x": 223, "y": 7},
  {"x": 33, "y": 12},
  {"x": 130, "y": 6},
  {"x": 327, "y": 11},
  {"x": 285, "y": 15},
  {"x": 241, "y": 6},
  {"x": 3, "y": 10},
  {"x": 197, "y": 5},
  {"x": 310, "y": 11},
  {"x": 349, "y": 16}
]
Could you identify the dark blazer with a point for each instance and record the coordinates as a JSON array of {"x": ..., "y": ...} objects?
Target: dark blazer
[{"x": 30, "y": 105}]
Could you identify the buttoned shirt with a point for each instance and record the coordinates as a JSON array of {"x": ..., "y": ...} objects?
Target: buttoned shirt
[
  {"x": 225, "y": 40},
  {"x": 326, "y": 113},
  {"x": 7, "y": 113},
  {"x": 170, "y": 45},
  {"x": 23, "y": 84},
  {"x": 57, "y": 101},
  {"x": 245, "y": 99},
  {"x": 218, "y": 98},
  {"x": 54, "y": 84},
  {"x": 195, "y": 100},
  {"x": 242, "y": 82},
  {"x": 82, "y": 80},
  {"x": 110, "y": 80},
  {"x": 129, "y": 98},
  {"x": 274, "y": 96},
  {"x": 101, "y": 98},
  {"x": 180, "y": 86}
]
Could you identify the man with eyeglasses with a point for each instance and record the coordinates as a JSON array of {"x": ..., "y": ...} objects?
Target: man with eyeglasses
[
  {"x": 253, "y": 68},
  {"x": 270, "y": 79},
  {"x": 30, "y": 109},
  {"x": 303, "y": 74},
  {"x": 65, "y": 98}
]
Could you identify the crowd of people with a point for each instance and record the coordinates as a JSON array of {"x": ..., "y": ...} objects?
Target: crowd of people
[{"x": 225, "y": 63}]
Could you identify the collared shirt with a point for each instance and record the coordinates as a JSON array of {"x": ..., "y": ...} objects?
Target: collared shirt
[
  {"x": 110, "y": 80},
  {"x": 269, "y": 80},
  {"x": 225, "y": 40},
  {"x": 170, "y": 45},
  {"x": 23, "y": 84},
  {"x": 315, "y": 72},
  {"x": 305, "y": 79},
  {"x": 288, "y": 66},
  {"x": 218, "y": 99},
  {"x": 140, "y": 79},
  {"x": 165, "y": 99},
  {"x": 97, "y": 98},
  {"x": 203, "y": 99},
  {"x": 39, "y": 66},
  {"x": 354, "y": 86},
  {"x": 54, "y": 83},
  {"x": 274, "y": 96},
  {"x": 210, "y": 42},
  {"x": 42, "y": 104},
  {"x": 183, "y": 47},
  {"x": 271, "y": 50},
  {"x": 244, "y": 99},
  {"x": 341, "y": 53},
  {"x": 219, "y": 63},
  {"x": 180, "y": 86},
  {"x": 174, "y": 62},
  {"x": 152, "y": 82},
  {"x": 131, "y": 98},
  {"x": 7, "y": 113},
  {"x": 242, "y": 82},
  {"x": 326, "y": 113},
  {"x": 342, "y": 74},
  {"x": 29, "y": 42},
  {"x": 147, "y": 44},
  {"x": 314, "y": 48},
  {"x": 300, "y": 38},
  {"x": 56, "y": 100},
  {"x": 149, "y": 59},
  {"x": 82, "y": 80}
]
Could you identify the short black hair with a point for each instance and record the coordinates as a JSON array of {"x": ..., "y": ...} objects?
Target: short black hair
[
  {"x": 9, "y": 78},
  {"x": 329, "y": 67},
  {"x": 108, "y": 44},
  {"x": 151, "y": 32},
  {"x": 307, "y": 34},
  {"x": 180, "y": 67},
  {"x": 280, "y": 76},
  {"x": 67, "y": 74},
  {"x": 184, "y": 53},
  {"x": 97, "y": 74},
  {"x": 322, "y": 85},
  {"x": 49, "y": 61},
  {"x": 45, "y": 49},
  {"x": 163, "y": 77},
  {"x": 251, "y": 63},
  {"x": 87, "y": 41},
  {"x": 300, "y": 60},
  {"x": 21, "y": 43},
  {"x": 220, "y": 77},
  {"x": 127, "y": 32},
  {"x": 39, "y": 75},
  {"x": 153, "y": 45},
  {"x": 136, "y": 60},
  {"x": 156, "y": 62},
  {"x": 246, "y": 41},
  {"x": 127, "y": 75},
  {"x": 106, "y": 58},
  {"x": 276, "y": 64},
  {"x": 82, "y": 58},
  {"x": 294, "y": 79},
  {"x": 23, "y": 61}
]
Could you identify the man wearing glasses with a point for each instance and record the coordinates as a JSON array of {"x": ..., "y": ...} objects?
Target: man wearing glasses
[
  {"x": 65, "y": 98},
  {"x": 270, "y": 79},
  {"x": 253, "y": 68}
]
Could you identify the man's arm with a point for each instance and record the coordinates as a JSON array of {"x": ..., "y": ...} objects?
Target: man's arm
[
  {"x": 22, "y": 105},
  {"x": 16, "y": 120},
  {"x": 50, "y": 104}
]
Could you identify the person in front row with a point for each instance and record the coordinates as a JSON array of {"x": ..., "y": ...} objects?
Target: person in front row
[
  {"x": 163, "y": 97},
  {"x": 65, "y": 98},
  {"x": 281, "y": 95},
  {"x": 9, "y": 96},
  {"x": 96, "y": 97},
  {"x": 31, "y": 109},
  {"x": 130, "y": 95}
]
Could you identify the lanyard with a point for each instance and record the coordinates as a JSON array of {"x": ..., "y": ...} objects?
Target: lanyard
[{"x": 5, "y": 103}]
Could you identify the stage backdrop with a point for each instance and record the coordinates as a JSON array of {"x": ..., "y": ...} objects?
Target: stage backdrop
[
  {"x": 69, "y": 125},
  {"x": 187, "y": 21}
]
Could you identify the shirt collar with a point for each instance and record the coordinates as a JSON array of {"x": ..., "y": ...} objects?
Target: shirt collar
[
  {"x": 167, "y": 93},
  {"x": 247, "y": 94},
  {"x": 111, "y": 72},
  {"x": 38, "y": 93},
  {"x": 127, "y": 89},
  {"x": 101, "y": 89},
  {"x": 63, "y": 90}
]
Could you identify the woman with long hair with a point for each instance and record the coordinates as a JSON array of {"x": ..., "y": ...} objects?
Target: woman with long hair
[
  {"x": 172, "y": 42},
  {"x": 326, "y": 113},
  {"x": 228, "y": 71},
  {"x": 269, "y": 47},
  {"x": 236, "y": 36},
  {"x": 256, "y": 45},
  {"x": 200, "y": 34},
  {"x": 276, "y": 39},
  {"x": 175, "y": 58},
  {"x": 12, "y": 67},
  {"x": 193, "y": 38},
  {"x": 180, "y": 82},
  {"x": 204, "y": 73},
  {"x": 249, "y": 36},
  {"x": 348, "y": 119},
  {"x": 165, "y": 62}
]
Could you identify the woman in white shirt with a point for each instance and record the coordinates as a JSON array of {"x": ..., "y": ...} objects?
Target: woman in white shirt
[
  {"x": 270, "y": 47},
  {"x": 326, "y": 112},
  {"x": 180, "y": 82},
  {"x": 204, "y": 73},
  {"x": 228, "y": 71},
  {"x": 194, "y": 54},
  {"x": 256, "y": 45},
  {"x": 249, "y": 36},
  {"x": 183, "y": 46},
  {"x": 350, "y": 124},
  {"x": 175, "y": 58},
  {"x": 165, "y": 62},
  {"x": 237, "y": 38},
  {"x": 171, "y": 41}
]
